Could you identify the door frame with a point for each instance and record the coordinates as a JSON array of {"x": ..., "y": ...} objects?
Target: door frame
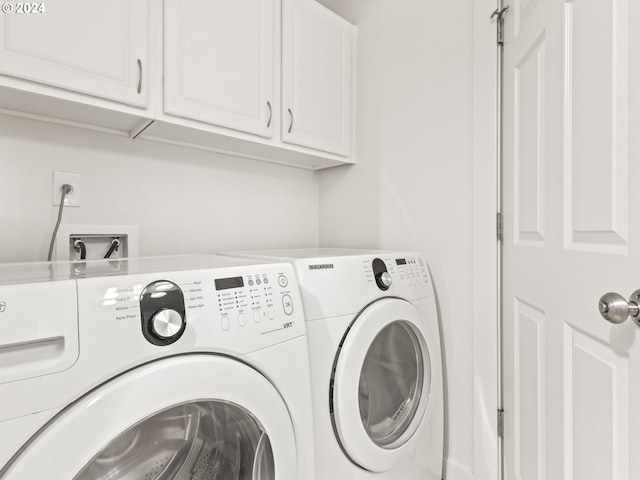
[{"x": 486, "y": 256}]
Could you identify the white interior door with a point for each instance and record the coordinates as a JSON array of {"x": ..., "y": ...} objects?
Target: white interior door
[{"x": 572, "y": 233}]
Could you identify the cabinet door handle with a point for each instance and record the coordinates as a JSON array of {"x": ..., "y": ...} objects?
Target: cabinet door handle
[
  {"x": 139, "y": 75},
  {"x": 291, "y": 116},
  {"x": 270, "y": 114}
]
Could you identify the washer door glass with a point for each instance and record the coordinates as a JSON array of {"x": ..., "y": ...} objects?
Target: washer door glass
[
  {"x": 196, "y": 416},
  {"x": 198, "y": 440},
  {"x": 391, "y": 383}
]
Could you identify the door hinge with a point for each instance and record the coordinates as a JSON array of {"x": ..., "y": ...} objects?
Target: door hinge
[
  {"x": 499, "y": 226},
  {"x": 499, "y": 14},
  {"x": 500, "y": 423}
]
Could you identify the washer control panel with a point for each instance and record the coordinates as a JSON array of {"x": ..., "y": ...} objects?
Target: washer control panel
[
  {"x": 258, "y": 297},
  {"x": 237, "y": 309}
]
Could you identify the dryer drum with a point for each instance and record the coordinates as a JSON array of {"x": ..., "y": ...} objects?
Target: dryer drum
[
  {"x": 195, "y": 441},
  {"x": 392, "y": 383}
]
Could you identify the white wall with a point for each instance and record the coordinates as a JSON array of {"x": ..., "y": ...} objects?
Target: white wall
[
  {"x": 182, "y": 200},
  {"x": 412, "y": 185}
]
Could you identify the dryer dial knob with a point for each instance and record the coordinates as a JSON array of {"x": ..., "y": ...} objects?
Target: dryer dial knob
[
  {"x": 384, "y": 280},
  {"x": 167, "y": 323}
]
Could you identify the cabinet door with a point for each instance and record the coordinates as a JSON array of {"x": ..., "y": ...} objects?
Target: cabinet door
[
  {"x": 219, "y": 59},
  {"x": 95, "y": 48},
  {"x": 316, "y": 76}
]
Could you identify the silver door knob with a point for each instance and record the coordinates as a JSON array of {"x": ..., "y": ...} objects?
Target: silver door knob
[{"x": 615, "y": 309}]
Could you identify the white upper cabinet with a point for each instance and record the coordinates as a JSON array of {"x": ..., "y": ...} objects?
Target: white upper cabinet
[
  {"x": 99, "y": 49},
  {"x": 219, "y": 62},
  {"x": 263, "y": 79},
  {"x": 316, "y": 77}
]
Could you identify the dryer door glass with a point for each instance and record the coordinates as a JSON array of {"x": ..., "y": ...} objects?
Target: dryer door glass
[
  {"x": 394, "y": 375},
  {"x": 196, "y": 441}
]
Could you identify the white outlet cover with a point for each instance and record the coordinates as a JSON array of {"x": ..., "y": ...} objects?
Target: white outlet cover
[
  {"x": 66, "y": 230},
  {"x": 59, "y": 179}
]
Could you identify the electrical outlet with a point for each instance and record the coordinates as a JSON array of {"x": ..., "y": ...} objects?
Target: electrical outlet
[{"x": 72, "y": 199}]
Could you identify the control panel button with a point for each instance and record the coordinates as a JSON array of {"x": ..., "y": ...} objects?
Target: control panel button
[
  {"x": 250, "y": 282},
  {"x": 225, "y": 323},
  {"x": 270, "y": 313},
  {"x": 282, "y": 281},
  {"x": 287, "y": 304},
  {"x": 258, "y": 281},
  {"x": 257, "y": 315},
  {"x": 242, "y": 320},
  {"x": 265, "y": 280}
]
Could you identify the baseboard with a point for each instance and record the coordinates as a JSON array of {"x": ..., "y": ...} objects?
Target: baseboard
[{"x": 457, "y": 471}]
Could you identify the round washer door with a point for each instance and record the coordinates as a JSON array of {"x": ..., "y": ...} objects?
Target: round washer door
[
  {"x": 185, "y": 417},
  {"x": 381, "y": 384}
]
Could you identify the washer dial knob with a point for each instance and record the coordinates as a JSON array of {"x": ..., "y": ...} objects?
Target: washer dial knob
[
  {"x": 384, "y": 280},
  {"x": 381, "y": 274},
  {"x": 163, "y": 313},
  {"x": 166, "y": 323}
]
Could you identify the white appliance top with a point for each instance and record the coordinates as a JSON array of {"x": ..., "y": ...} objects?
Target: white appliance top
[
  {"x": 299, "y": 253},
  {"x": 36, "y": 272}
]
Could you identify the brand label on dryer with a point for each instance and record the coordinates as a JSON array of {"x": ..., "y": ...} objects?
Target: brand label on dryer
[{"x": 320, "y": 266}]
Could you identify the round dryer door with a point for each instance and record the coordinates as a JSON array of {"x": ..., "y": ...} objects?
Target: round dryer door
[
  {"x": 193, "y": 417},
  {"x": 381, "y": 384}
]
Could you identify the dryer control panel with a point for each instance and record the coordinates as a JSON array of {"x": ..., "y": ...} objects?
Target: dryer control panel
[
  {"x": 336, "y": 285},
  {"x": 410, "y": 270},
  {"x": 400, "y": 271}
]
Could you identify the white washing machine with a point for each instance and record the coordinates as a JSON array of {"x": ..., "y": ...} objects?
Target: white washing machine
[
  {"x": 159, "y": 368},
  {"x": 376, "y": 367}
]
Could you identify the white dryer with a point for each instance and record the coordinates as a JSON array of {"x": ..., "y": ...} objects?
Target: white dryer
[
  {"x": 159, "y": 368},
  {"x": 376, "y": 367}
]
